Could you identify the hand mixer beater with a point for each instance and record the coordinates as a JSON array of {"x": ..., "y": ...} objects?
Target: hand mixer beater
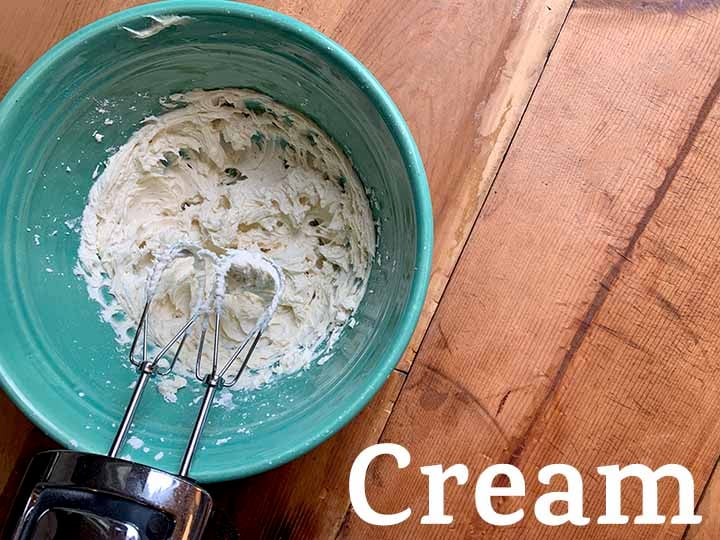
[{"x": 68, "y": 495}]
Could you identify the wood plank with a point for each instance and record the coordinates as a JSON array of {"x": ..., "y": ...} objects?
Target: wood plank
[
  {"x": 579, "y": 326},
  {"x": 644, "y": 377}
]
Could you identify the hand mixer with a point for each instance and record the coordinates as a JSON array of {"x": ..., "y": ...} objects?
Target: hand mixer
[{"x": 68, "y": 495}]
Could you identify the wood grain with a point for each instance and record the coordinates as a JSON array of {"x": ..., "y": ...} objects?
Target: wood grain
[
  {"x": 580, "y": 324},
  {"x": 461, "y": 73}
]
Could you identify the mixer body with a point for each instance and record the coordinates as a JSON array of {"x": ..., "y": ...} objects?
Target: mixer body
[{"x": 73, "y": 495}]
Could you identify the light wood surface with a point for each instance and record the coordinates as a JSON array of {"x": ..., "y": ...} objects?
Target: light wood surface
[{"x": 571, "y": 315}]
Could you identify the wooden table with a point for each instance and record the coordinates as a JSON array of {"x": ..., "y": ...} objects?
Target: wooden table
[{"x": 573, "y": 154}]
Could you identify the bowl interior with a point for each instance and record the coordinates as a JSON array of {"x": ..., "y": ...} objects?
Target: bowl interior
[{"x": 59, "y": 360}]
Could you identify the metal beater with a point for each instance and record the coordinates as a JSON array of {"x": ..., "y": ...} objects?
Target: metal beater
[{"x": 74, "y": 495}]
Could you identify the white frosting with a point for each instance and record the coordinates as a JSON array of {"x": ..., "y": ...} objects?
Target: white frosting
[
  {"x": 232, "y": 169},
  {"x": 160, "y": 23}
]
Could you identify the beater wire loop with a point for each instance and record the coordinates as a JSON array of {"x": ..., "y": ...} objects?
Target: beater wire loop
[
  {"x": 147, "y": 367},
  {"x": 256, "y": 272},
  {"x": 253, "y": 267}
]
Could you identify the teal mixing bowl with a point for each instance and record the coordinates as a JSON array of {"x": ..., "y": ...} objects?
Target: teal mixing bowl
[{"x": 59, "y": 361}]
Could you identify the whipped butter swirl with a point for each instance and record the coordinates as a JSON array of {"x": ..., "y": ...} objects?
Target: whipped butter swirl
[{"x": 231, "y": 169}]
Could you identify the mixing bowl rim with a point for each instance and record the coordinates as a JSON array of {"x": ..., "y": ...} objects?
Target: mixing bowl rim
[{"x": 361, "y": 76}]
